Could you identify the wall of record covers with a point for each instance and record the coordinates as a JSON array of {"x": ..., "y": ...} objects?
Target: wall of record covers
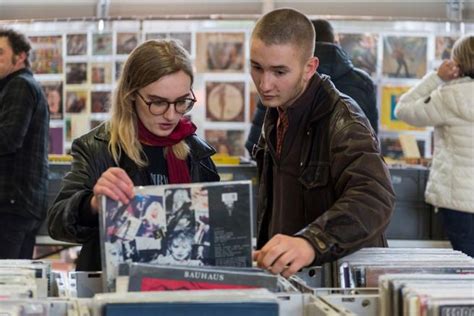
[{"x": 78, "y": 64}]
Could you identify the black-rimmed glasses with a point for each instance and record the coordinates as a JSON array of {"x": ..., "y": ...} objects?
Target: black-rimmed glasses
[{"x": 159, "y": 107}]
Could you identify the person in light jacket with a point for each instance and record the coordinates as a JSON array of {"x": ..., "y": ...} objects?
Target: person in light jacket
[{"x": 445, "y": 99}]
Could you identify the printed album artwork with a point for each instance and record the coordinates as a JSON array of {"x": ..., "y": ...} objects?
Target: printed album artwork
[
  {"x": 100, "y": 101},
  {"x": 102, "y": 44},
  {"x": 76, "y": 73},
  {"x": 225, "y": 101},
  {"x": 362, "y": 49},
  {"x": 404, "y": 56},
  {"x": 220, "y": 52},
  {"x": 390, "y": 97},
  {"x": 46, "y": 54},
  {"x": 76, "y": 44},
  {"x": 56, "y": 140},
  {"x": 189, "y": 224},
  {"x": 126, "y": 42},
  {"x": 76, "y": 101},
  {"x": 53, "y": 90},
  {"x": 101, "y": 73}
]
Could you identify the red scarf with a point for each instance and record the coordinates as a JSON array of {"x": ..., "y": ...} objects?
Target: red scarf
[{"x": 178, "y": 171}]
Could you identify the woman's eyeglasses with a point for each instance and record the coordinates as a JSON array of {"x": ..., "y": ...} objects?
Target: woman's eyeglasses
[{"x": 159, "y": 107}]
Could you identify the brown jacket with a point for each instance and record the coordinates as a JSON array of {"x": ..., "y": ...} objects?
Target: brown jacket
[{"x": 345, "y": 184}]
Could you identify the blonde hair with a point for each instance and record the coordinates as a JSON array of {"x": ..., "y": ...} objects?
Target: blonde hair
[
  {"x": 463, "y": 55},
  {"x": 146, "y": 64},
  {"x": 286, "y": 26}
]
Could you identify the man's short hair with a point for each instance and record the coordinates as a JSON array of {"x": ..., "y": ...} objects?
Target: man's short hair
[
  {"x": 18, "y": 42},
  {"x": 286, "y": 26},
  {"x": 324, "y": 31}
]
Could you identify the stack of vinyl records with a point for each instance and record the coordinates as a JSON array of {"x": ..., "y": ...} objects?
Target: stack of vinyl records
[
  {"x": 364, "y": 267},
  {"x": 22, "y": 284},
  {"x": 426, "y": 294}
]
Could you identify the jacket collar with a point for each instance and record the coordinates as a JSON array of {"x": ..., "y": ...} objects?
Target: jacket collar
[
  {"x": 7, "y": 79},
  {"x": 324, "y": 97}
]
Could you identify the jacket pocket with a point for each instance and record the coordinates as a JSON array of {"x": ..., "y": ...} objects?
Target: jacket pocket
[{"x": 315, "y": 175}]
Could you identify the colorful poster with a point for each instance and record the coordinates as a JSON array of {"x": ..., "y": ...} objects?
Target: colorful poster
[{"x": 390, "y": 97}]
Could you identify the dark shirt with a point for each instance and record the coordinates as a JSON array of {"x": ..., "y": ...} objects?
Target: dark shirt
[{"x": 156, "y": 164}]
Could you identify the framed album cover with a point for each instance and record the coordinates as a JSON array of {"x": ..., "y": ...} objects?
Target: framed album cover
[
  {"x": 46, "y": 55},
  {"x": 76, "y": 44},
  {"x": 220, "y": 52},
  {"x": 390, "y": 97},
  {"x": 56, "y": 140},
  {"x": 225, "y": 101},
  {"x": 53, "y": 90},
  {"x": 102, "y": 44},
  {"x": 230, "y": 142},
  {"x": 100, "y": 101},
  {"x": 76, "y": 101},
  {"x": 404, "y": 56},
  {"x": 76, "y": 73},
  {"x": 101, "y": 73},
  {"x": 362, "y": 49},
  {"x": 126, "y": 42}
]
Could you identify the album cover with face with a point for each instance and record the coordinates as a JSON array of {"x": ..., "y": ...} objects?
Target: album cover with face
[{"x": 200, "y": 224}]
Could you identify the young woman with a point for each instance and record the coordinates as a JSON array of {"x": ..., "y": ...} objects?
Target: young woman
[
  {"x": 444, "y": 99},
  {"x": 147, "y": 141}
]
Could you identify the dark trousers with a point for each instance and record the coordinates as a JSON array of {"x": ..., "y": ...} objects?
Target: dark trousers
[
  {"x": 459, "y": 227},
  {"x": 17, "y": 236}
]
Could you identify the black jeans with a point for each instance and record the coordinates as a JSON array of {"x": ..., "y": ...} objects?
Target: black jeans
[
  {"x": 459, "y": 227},
  {"x": 17, "y": 236}
]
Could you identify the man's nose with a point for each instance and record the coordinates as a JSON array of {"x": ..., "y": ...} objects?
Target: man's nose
[{"x": 265, "y": 82}]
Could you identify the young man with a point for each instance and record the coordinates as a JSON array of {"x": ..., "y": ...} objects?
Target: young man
[
  {"x": 24, "y": 124},
  {"x": 324, "y": 188},
  {"x": 335, "y": 63}
]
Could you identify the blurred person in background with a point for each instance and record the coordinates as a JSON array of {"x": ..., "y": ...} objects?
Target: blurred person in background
[
  {"x": 24, "y": 127},
  {"x": 445, "y": 99}
]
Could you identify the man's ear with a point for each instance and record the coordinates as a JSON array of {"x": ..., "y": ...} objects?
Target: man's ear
[
  {"x": 311, "y": 67},
  {"x": 20, "y": 59}
]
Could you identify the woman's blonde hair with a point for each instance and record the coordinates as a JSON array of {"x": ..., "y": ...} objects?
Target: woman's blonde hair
[
  {"x": 146, "y": 64},
  {"x": 463, "y": 55}
]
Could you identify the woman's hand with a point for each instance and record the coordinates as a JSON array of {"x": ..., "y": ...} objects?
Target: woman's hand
[
  {"x": 114, "y": 183},
  {"x": 449, "y": 70}
]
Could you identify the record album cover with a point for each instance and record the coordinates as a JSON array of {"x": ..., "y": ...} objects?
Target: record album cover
[{"x": 188, "y": 224}]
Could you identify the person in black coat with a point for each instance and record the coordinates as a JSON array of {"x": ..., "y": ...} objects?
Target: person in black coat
[
  {"x": 147, "y": 141},
  {"x": 334, "y": 62}
]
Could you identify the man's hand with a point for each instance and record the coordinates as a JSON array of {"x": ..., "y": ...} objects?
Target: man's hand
[
  {"x": 285, "y": 255},
  {"x": 114, "y": 183},
  {"x": 448, "y": 70}
]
